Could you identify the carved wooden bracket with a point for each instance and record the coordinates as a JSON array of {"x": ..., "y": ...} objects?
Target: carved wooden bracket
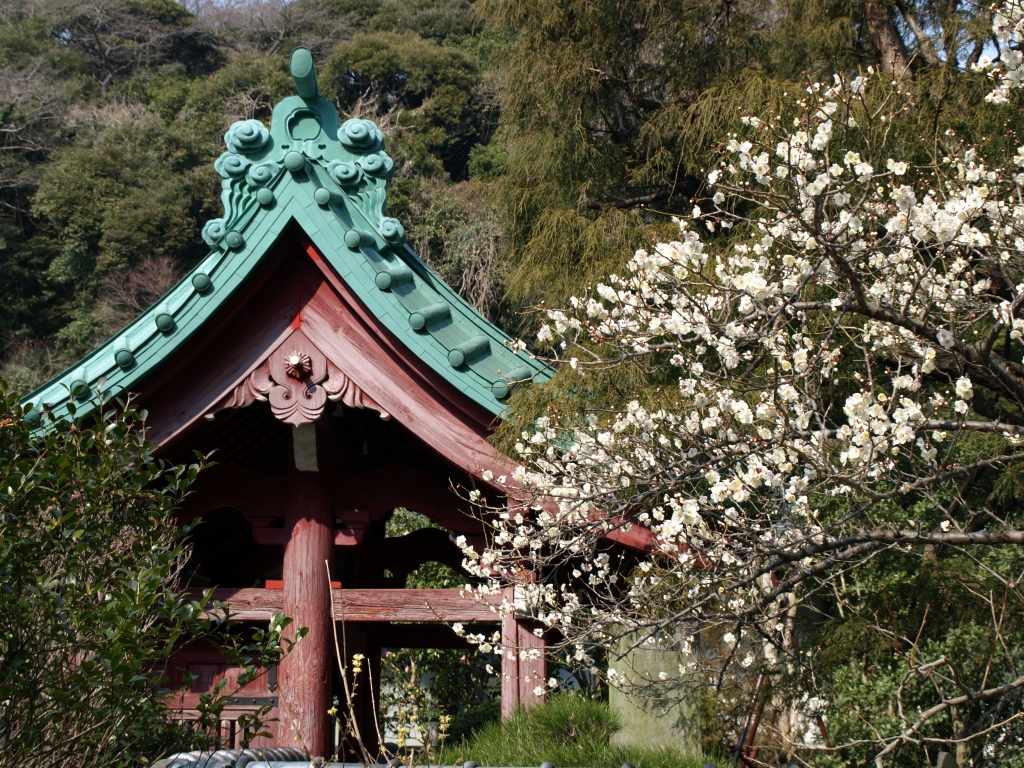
[{"x": 298, "y": 380}]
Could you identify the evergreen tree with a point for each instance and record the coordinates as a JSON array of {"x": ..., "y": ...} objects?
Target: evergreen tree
[{"x": 609, "y": 110}]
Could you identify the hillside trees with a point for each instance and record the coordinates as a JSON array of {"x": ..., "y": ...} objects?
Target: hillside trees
[
  {"x": 115, "y": 39},
  {"x": 111, "y": 114},
  {"x": 607, "y": 111},
  {"x": 67, "y": 79},
  {"x": 421, "y": 90}
]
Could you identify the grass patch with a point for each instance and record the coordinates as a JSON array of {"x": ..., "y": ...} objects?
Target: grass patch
[{"x": 569, "y": 730}]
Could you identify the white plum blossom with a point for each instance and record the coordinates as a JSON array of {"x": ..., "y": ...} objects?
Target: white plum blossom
[
  {"x": 817, "y": 366},
  {"x": 1008, "y": 70},
  {"x": 897, "y": 167}
]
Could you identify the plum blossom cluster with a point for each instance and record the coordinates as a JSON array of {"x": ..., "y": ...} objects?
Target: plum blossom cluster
[
  {"x": 835, "y": 319},
  {"x": 1008, "y": 69}
]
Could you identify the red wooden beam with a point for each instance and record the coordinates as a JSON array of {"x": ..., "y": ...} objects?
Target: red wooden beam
[{"x": 415, "y": 605}]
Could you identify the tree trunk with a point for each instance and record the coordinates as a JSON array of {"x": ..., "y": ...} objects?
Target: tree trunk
[{"x": 885, "y": 37}]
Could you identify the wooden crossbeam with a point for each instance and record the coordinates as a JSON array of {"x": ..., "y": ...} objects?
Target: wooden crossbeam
[{"x": 358, "y": 605}]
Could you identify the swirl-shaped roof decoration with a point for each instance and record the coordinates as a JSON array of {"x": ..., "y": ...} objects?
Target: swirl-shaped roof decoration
[
  {"x": 346, "y": 174},
  {"x": 262, "y": 174},
  {"x": 359, "y": 135},
  {"x": 246, "y": 136},
  {"x": 214, "y": 231},
  {"x": 392, "y": 231},
  {"x": 229, "y": 165}
]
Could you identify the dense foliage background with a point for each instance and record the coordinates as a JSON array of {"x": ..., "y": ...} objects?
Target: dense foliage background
[{"x": 537, "y": 143}]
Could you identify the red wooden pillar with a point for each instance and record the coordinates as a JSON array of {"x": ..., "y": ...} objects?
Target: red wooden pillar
[
  {"x": 305, "y": 674},
  {"x": 523, "y": 662}
]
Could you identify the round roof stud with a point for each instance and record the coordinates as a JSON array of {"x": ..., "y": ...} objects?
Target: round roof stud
[
  {"x": 294, "y": 161},
  {"x": 393, "y": 277},
  {"x": 79, "y": 389},
  {"x": 165, "y": 322},
  {"x": 430, "y": 314},
  {"x": 264, "y": 196},
  {"x": 360, "y": 237},
  {"x": 234, "y": 239},
  {"x": 322, "y": 195},
  {"x": 34, "y": 416},
  {"x": 124, "y": 358},
  {"x": 515, "y": 377},
  {"x": 467, "y": 350},
  {"x": 522, "y": 374},
  {"x": 202, "y": 282}
]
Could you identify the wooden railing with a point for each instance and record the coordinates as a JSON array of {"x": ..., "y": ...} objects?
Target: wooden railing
[{"x": 377, "y": 605}]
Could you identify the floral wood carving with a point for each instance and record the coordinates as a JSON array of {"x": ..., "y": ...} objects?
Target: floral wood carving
[{"x": 297, "y": 380}]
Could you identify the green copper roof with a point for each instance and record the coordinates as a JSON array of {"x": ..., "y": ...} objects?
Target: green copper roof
[{"x": 332, "y": 180}]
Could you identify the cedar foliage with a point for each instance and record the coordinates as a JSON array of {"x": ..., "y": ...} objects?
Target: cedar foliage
[{"x": 609, "y": 110}]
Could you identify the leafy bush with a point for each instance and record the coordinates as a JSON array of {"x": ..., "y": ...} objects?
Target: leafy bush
[
  {"x": 90, "y": 609},
  {"x": 568, "y": 730},
  {"x": 425, "y": 685}
]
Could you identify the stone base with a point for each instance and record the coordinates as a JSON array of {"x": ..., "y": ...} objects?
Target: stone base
[{"x": 671, "y": 721}]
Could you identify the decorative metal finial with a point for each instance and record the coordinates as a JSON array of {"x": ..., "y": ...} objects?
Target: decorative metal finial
[
  {"x": 304, "y": 74},
  {"x": 297, "y": 365}
]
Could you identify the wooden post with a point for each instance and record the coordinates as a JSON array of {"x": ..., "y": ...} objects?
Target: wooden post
[
  {"x": 305, "y": 674},
  {"x": 523, "y": 662},
  {"x": 533, "y": 669},
  {"x": 509, "y": 662}
]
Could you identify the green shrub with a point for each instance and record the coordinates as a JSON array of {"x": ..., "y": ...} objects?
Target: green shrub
[
  {"x": 91, "y": 608},
  {"x": 569, "y": 730},
  {"x": 472, "y": 719}
]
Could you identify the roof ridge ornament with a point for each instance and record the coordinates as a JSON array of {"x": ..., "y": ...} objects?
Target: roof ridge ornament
[
  {"x": 331, "y": 177},
  {"x": 345, "y": 161},
  {"x": 304, "y": 73}
]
